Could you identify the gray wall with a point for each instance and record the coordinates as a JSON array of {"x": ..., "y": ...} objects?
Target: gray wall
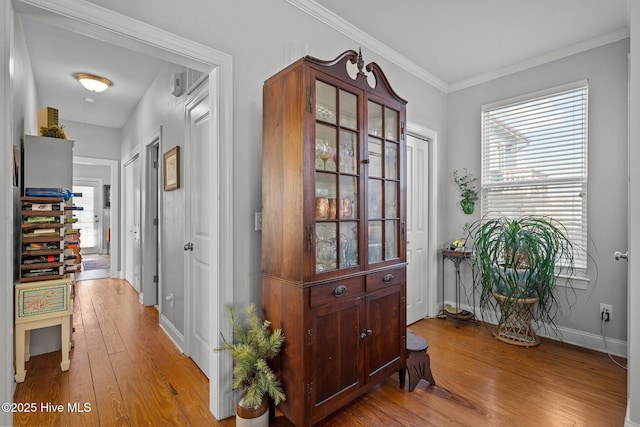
[
  {"x": 606, "y": 70},
  {"x": 259, "y": 47}
]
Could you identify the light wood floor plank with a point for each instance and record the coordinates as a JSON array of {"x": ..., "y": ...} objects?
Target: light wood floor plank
[{"x": 131, "y": 374}]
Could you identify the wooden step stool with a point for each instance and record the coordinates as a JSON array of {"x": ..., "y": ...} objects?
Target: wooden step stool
[{"x": 418, "y": 362}]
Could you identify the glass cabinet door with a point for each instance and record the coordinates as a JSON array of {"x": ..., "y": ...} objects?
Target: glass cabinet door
[
  {"x": 337, "y": 177},
  {"x": 383, "y": 183}
]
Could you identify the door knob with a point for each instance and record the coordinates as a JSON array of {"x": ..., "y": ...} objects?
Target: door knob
[
  {"x": 619, "y": 255},
  {"x": 188, "y": 246}
]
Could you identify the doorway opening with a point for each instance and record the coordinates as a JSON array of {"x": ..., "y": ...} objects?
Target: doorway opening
[{"x": 117, "y": 29}]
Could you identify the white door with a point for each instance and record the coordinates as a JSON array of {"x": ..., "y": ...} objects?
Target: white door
[
  {"x": 199, "y": 274},
  {"x": 132, "y": 221},
  {"x": 417, "y": 227},
  {"x": 89, "y": 221}
]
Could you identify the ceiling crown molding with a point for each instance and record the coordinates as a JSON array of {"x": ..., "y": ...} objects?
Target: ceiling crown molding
[
  {"x": 334, "y": 21},
  {"x": 76, "y": 14},
  {"x": 592, "y": 43}
]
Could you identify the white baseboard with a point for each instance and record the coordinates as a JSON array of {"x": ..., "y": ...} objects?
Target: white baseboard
[
  {"x": 583, "y": 339},
  {"x": 627, "y": 421},
  {"x": 173, "y": 334}
]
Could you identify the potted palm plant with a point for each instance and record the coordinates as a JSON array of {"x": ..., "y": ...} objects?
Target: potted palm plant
[
  {"x": 520, "y": 260},
  {"x": 253, "y": 346}
]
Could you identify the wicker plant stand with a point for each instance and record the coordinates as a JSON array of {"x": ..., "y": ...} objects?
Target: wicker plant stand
[{"x": 515, "y": 326}]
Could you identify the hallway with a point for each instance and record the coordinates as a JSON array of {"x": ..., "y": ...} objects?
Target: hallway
[{"x": 124, "y": 369}]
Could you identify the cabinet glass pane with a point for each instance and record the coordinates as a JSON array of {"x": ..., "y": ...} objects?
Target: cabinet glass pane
[
  {"x": 348, "y": 155},
  {"x": 375, "y": 157},
  {"x": 325, "y": 102},
  {"x": 391, "y": 200},
  {"x": 326, "y": 246},
  {"x": 326, "y": 148},
  {"x": 348, "y": 110},
  {"x": 391, "y": 124},
  {"x": 375, "y": 119},
  {"x": 326, "y": 206},
  {"x": 374, "y": 247},
  {"x": 375, "y": 199},
  {"x": 348, "y": 244},
  {"x": 347, "y": 207},
  {"x": 391, "y": 160},
  {"x": 391, "y": 240}
]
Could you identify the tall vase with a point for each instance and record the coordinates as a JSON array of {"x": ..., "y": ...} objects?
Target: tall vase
[
  {"x": 467, "y": 205},
  {"x": 252, "y": 416}
]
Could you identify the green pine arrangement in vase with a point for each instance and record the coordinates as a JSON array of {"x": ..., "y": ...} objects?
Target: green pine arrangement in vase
[{"x": 254, "y": 345}]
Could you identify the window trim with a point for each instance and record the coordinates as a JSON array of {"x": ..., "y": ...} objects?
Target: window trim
[{"x": 581, "y": 271}]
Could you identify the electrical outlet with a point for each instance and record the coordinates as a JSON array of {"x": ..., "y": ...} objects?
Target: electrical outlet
[{"x": 606, "y": 312}]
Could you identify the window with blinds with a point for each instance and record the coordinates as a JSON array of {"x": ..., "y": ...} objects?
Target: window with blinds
[{"x": 534, "y": 160}]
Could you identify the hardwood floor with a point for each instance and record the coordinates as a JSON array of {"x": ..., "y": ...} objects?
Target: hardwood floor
[{"x": 129, "y": 373}]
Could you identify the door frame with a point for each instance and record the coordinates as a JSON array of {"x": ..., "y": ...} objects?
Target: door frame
[
  {"x": 150, "y": 246},
  {"x": 93, "y": 20},
  {"x": 134, "y": 155},
  {"x": 114, "y": 219},
  {"x": 431, "y": 136},
  {"x": 97, "y": 201}
]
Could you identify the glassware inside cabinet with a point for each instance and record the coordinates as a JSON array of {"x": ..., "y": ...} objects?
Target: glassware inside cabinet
[
  {"x": 348, "y": 244},
  {"x": 374, "y": 246},
  {"x": 326, "y": 246},
  {"x": 326, "y": 204},
  {"x": 348, "y": 154},
  {"x": 391, "y": 239},
  {"x": 375, "y": 157},
  {"x": 391, "y": 124},
  {"x": 347, "y": 206},
  {"x": 374, "y": 119},
  {"x": 391, "y": 200},
  {"x": 374, "y": 203},
  {"x": 326, "y": 153},
  {"x": 391, "y": 160},
  {"x": 325, "y": 102},
  {"x": 348, "y": 110}
]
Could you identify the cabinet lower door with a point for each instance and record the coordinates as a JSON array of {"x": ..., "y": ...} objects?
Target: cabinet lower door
[
  {"x": 336, "y": 349},
  {"x": 386, "y": 341}
]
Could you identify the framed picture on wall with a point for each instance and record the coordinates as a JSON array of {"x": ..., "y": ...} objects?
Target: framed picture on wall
[
  {"x": 171, "y": 167},
  {"x": 107, "y": 196}
]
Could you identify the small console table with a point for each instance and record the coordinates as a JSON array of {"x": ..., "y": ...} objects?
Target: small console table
[
  {"x": 38, "y": 305},
  {"x": 457, "y": 257}
]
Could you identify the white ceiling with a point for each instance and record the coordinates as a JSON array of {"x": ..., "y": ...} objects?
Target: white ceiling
[
  {"x": 451, "y": 41},
  {"x": 57, "y": 54},
  {"x": 458, "y": 40}
]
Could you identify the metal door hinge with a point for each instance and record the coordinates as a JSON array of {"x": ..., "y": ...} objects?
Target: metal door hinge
[
  {"x": 155, "y": 164},
  {"x": 402, "y": 131},
  {"x": 155, "y": 279},
  {"x": 309, "y": 100},
  {"x": 309, "y": 238},
  {"x": 309, "y": 391},
  {"x": 155, "y": 221},
  {"x": 309, "y": 336}
]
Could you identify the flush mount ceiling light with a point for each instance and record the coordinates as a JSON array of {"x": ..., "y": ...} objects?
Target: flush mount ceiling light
[{"x": 93, "y": 83}]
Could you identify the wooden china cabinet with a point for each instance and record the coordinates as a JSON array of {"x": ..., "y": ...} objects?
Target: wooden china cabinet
[{"x": 333, "y": 230}]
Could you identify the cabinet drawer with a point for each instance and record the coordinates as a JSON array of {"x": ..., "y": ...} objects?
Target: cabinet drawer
[
  {"x": 336, "y": 291},
  {"x": 385, "y": 278}
]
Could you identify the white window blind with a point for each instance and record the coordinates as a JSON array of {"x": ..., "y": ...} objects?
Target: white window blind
[{"x": 534, "y": 160}]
